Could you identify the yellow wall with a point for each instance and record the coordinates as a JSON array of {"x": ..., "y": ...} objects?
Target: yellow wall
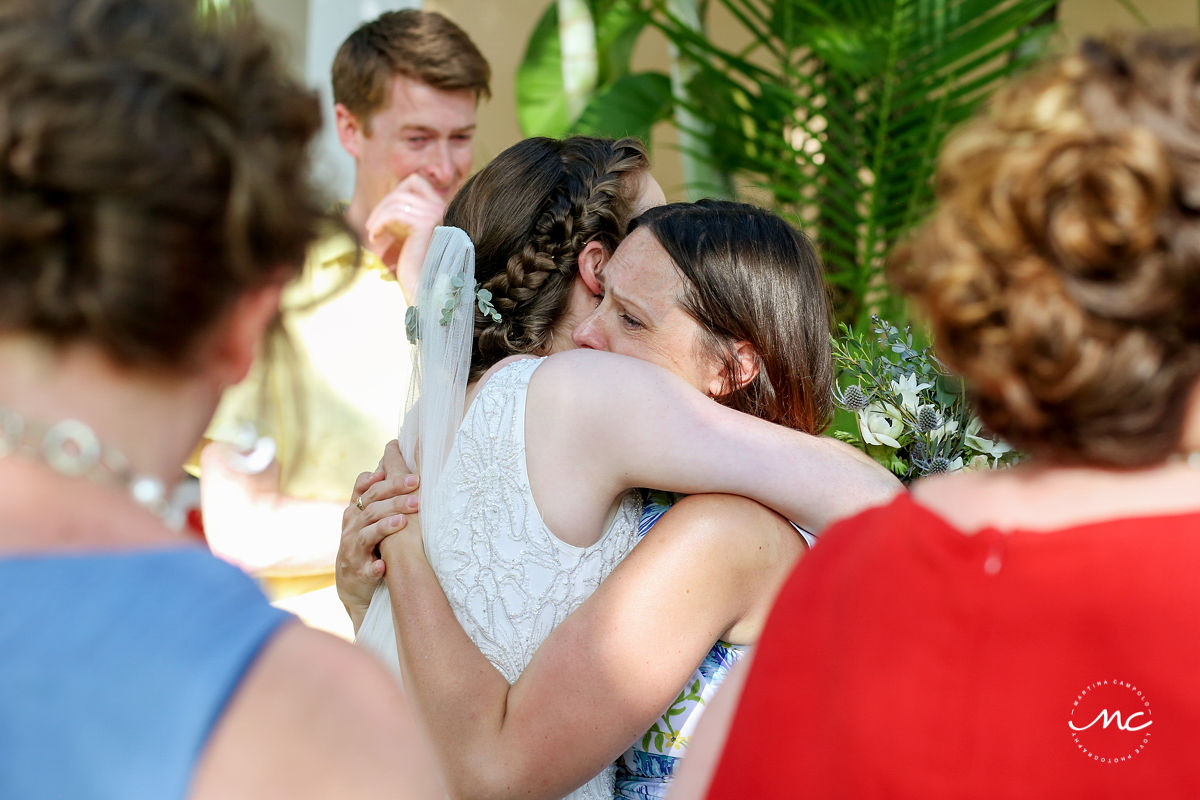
[{"x": 501, "y": 29}]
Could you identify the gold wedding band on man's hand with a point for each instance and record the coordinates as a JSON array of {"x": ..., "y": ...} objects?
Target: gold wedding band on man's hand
[{"x": 358, "y": 502}]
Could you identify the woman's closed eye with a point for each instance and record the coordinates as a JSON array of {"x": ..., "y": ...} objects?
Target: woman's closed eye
[{"x": 630, "y": 322}]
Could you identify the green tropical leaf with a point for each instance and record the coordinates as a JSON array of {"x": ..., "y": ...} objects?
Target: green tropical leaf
[
  {"x": 628, "y": 107},
  {"x": 541, "y": 98},
  {"x": 619, "y": 23},
  {"x": 838, "y": 108}
]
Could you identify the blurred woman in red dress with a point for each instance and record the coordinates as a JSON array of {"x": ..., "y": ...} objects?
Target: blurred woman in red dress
[{"x": 1031, "y": 632}]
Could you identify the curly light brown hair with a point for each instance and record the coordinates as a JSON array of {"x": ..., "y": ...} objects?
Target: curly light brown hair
[
  {"x": 152, "y": 169},
  {"x": 530, "y": 212},
  {"x": 1061, "y": 269}
]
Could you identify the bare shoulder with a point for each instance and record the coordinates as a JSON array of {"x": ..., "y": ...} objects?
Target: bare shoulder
[
  {"x": 748, "y": 549},
  {"x": 729, "y": 513},
  {"x": 315, "y": 717},
  {"x": 744, "y": 534}
]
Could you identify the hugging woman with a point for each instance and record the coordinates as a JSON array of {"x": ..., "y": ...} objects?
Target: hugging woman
[
  {"x": 153, "y": 203},
  {"x": 579, "y": 430}
]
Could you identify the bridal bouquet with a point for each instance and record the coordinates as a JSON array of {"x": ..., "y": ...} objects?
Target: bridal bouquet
[{"x": 912, "y": 416}]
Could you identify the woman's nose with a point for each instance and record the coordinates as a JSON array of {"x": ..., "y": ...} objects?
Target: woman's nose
[{"x": 587, "y": 332}]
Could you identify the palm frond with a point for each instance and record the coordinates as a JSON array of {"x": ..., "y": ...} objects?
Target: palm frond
[{"x": 838, "y": 108}]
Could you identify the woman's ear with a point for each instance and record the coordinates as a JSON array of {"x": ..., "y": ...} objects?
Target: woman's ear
[
  {"x": 592, "y": 259},
  {"x": 747, "y": 365}
]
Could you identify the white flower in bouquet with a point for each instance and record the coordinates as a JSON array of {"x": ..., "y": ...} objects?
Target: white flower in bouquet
[
  {"x": 947, "y": 428},
  {"x": 978, "y": 462},
  {"x": 983, "y": 444},
  {"x": 880, "y": 424},
  {"x": 910, "y": 392}
]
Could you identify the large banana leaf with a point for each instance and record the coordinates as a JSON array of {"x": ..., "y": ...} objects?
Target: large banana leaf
[
  {"x": 541, "y": 98},
  {"x": 838, "y": 108},
  {"x": 627, "y": 107}
]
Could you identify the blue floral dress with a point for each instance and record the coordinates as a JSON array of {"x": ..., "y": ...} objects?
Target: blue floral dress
[{"x": 644, "y": 771}]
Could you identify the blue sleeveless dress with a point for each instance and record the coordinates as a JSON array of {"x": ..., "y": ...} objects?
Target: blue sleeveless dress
[
  {"x": 114, "y": 667},
  {"x": 645, "y": 770}
]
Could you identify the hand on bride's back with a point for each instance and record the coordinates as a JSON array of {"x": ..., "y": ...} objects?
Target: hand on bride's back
[{"x": 378, "y": 507}]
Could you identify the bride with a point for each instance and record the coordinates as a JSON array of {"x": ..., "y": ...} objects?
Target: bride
[{"x": 513, "y": 522}]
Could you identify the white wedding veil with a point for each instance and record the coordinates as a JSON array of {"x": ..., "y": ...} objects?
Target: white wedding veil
[{"x": 441, "y": 328}]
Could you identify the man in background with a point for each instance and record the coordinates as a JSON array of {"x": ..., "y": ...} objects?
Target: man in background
[{"x": 328, "y": 393}]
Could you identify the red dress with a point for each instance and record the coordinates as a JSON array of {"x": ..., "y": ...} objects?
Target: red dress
[{"x": 905, "y": 659}]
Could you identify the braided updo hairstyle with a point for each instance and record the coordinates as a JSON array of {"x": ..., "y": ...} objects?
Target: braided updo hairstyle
[
  {"x": 1061, "y": 270},
  {"x": 152, "y": 169},
  {"x": 529, "y": 213}
]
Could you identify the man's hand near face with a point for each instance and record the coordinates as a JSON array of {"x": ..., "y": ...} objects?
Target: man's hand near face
[{"x": 400, "y": 228}]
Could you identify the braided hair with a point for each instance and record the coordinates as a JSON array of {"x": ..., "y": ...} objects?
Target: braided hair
[{"x": 530, "y": 213}]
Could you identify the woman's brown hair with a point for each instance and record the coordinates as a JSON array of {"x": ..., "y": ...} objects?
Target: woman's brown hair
[
  {"x": 1061, "y": 269},
  {"x": 530, "y": 212},
  {"x": 151, "y": 170},
  {"x": 749, "y": 276}
]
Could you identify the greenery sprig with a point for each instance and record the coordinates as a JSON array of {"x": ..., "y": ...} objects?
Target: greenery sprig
[{"x": 483, "y": 301}]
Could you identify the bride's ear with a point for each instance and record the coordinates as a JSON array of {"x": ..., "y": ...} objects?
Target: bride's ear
[{"x": 592, "y": 259}]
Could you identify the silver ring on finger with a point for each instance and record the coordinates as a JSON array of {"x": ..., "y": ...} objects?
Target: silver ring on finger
[
  {"x": 358, "y": 502},
  {"x": 407, "y": 208}
]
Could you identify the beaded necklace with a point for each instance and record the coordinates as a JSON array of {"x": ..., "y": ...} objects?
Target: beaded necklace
[{"x": 71, "y": 448}]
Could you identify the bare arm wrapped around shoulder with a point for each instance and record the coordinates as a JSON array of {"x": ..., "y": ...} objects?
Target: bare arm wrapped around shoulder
[
  {"x": 709, "y": 569},
  {"x": 609, "y": 423}
]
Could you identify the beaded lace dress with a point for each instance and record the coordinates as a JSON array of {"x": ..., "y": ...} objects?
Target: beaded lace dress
[{"x": 509, "y": 580}]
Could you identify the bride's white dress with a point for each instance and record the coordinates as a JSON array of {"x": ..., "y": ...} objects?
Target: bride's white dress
[{"x": 509, "y": 579}]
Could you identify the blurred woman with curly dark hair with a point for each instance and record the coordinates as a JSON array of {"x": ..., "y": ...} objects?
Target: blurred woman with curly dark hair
[
  {"x": 1031, "y": 632},
  {"x": 153, "y": 201}
]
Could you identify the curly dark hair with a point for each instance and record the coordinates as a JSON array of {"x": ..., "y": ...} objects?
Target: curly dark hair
[
  {"x": 1061, "y": 270},
  {"x": 530, "y": 212},
  {"x": 152, "y": 169}
]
